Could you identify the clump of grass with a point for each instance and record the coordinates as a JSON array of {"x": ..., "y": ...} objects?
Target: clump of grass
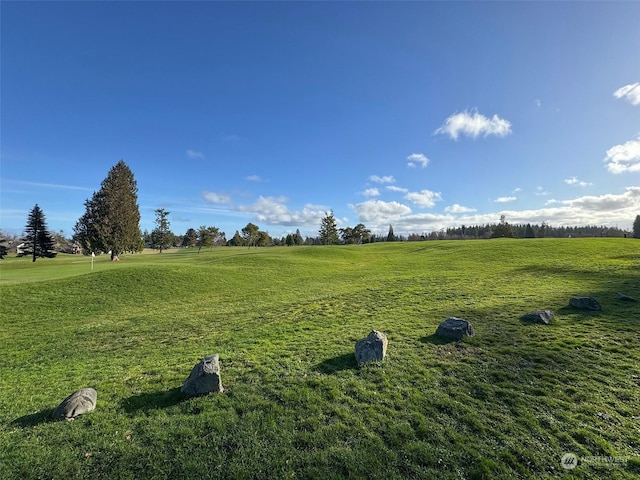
[{"x": 507, "y": 403}]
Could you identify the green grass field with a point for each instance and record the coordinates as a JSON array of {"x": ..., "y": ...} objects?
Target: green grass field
[{"x": 507, "y": 403}]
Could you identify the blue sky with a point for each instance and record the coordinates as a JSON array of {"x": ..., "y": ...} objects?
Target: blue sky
[{"x": 416, "y": 114}]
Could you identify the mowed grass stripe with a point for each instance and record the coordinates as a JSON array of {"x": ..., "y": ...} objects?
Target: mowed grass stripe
[{"x": 506, "y": 403}]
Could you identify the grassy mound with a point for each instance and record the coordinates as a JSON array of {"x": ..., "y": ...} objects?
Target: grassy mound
[{"x": 507, "y": 403}]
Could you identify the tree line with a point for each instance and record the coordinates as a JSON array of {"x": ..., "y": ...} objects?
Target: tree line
[{"x": 111, "y": 224}]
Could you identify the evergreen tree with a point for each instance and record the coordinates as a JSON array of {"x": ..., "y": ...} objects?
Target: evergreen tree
[
  {"x": 161, "y": 236},
  {"x": 503, "y": 229},
  {"x": 190, "y": 238},
  {"x": 636, "y": 227},
  {"x": 297, "y": 238},
  {"x": 250, "y": 235},
  {"x": 328, "y": 230},
  {"x": 111, "y": 221},
  {"x": 528, "y": 233},
  {"x": 205, "y": 238},
  {"x": 237, "y": 240},
  {"x": 390, "y": 236},
  {"x": 39, "y": 242}
]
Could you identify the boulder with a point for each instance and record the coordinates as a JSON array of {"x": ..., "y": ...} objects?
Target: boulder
[
  {"x": 539, "y": 316},
  {"x": 204, "y": 377},
  {"x": 626, "y": 298},
  {"x": 79, "y": 402},
  {"x": 372, "y": 348},
  {"x": 585, "y": 303},
  {"x": 455, "y": 329}
]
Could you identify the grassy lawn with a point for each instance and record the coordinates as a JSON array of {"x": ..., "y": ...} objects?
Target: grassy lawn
[{"x": 507, "y": 403}]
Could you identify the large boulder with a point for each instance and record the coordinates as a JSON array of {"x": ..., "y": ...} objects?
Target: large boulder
[
  {"x": 585, "y": 303},
  {"x": 455, "y": 329},
  {"x": 372, "y": 348},
  {"x": 79, "y": 402},
  {"x": 204, "y": 377},
  {"x": 538, "y": 316}
]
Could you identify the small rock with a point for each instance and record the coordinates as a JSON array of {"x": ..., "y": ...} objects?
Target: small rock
[
  {"x": 82, "y": 401},
  {"x": 539, "y": 316},
  {"x": 372, "y": 348},
  {"x": 204, "y": 377},
  {"x": 626, "y": 298},
  {"x": 585, "y": 303},
  {"x": 455, "y": 329}
]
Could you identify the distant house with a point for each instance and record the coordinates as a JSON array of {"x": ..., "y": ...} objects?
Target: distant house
[{"x": 20, "y": 249}]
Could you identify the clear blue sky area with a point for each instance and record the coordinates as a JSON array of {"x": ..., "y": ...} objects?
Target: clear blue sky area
[{"x": 422, "y": 115}]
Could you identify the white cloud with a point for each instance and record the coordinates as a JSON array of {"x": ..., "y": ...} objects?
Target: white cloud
[
  {"x": 630, "y": 92},
  {"x": 416, "y": 159},
  {"x": 541, "y": 192},
  {"x": 608, "y": 202},
  {"x": 255, "y": 178},
  {"x": 625, "y": 157},
  {"x": 217, "y": 198},
  {"x": 52, "y": 185},
  {"x": 377, "y": 211},
  {"x": 575, "y": 181},
  {"x": 608, "y": 209},
  {"x": 455, "y": 208},
  {"x": 424, "y": 198},
  {"x": 274, "y": 211},
  {"x": 371, "y": 192},
  {"x": 505, "y": 199},
  {"x": 194, "y": 154},
  {"x": 393, "y": 188},
  {"x": 516, "y": 190},
  {"x": 385, "y": 179},
  {"x": 473, "y": 124}
]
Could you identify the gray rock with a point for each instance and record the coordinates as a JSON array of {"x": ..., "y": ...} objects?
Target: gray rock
[
  {"x": 539, "y": 316},
  {"x": 626, "y": 298},
  {"x": 204, "y": 377},
  {"x": 372, "y": 348},
  {"x": 455, "y": 329},
  {"x": 82, "y": 401},
  {"x": 585, "y": 303}
]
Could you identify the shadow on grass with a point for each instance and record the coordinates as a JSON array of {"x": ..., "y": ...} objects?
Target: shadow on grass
[
  {"x": 153, "y": 400},
  {"x": 43, "y": 416},
  {"x": 437, "y": 340},
  {"x": 346, "y": 361}
]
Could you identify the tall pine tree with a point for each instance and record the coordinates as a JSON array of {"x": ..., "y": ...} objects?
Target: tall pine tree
[
  {"x": 329, "y": 230},
  {"x": 111, "y": 222},
  {"x": 39, "y": 242},
  {"x": 636, "y": 227}
]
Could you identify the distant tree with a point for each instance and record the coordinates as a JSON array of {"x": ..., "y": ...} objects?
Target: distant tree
[
  {"x": 111, "y": 222},
  {"x": 636, "y": 227},
  {"x": 236, "y": 240},
  {"x": 543, "y": 230},
  {"x": 39, "y": 242},
  {"x": 190, "y": 239},
  {"x": 207, "y": 237},
  {"x": 390, "y": 236},
  {"x": 250, "y": 235},
  {"x": 263, "y": 239},
  {"x": 4, "y": 249},
  {"x": 356, "y": 235},
  {"x": 328, "y": 230},
  {"x": 161, "y": 236},
  {"x": 529, "y": 232},
  {"x": 297, "y": 238},
  {"x": 503, "y": 229}
]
